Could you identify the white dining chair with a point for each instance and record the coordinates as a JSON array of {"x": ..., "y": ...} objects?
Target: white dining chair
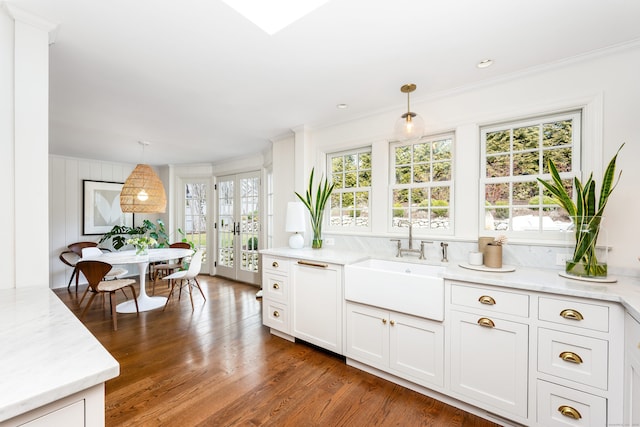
[{"x": 186, "y": 278}]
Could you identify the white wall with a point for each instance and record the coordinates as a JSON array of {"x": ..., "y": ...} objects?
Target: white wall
[{"x": 606, "y": 84}]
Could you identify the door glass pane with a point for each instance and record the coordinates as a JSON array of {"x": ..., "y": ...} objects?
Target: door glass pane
[
  {"x": 226, "y": 223},
  {"x": 195, "y": 216},
  {"x": 249, "y": 223}
]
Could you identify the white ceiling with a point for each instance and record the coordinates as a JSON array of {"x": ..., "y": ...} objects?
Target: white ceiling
[{"x": 202, "y": 84}]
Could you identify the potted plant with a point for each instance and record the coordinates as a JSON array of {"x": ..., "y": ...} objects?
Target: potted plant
[
  {"x": 316, "y": 208},
  {"x": 586, "y": 216},
  {"x": 118, "y": 232}
]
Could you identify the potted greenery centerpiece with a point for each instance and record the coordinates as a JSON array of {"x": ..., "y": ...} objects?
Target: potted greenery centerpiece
[
  {"x": 586, "y": 217},
  {"x": 316, "y": 208}
]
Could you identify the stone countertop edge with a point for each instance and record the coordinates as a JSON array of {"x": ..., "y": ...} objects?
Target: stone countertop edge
[
  {"x": 46, "y": 353},
  {"x": 626, "y": 290}
]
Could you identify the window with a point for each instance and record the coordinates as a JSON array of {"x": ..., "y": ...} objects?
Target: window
[
  {"x": 514, "y": 156},
  {"x": 269, "y": 203},
  {"x": 422, "y": 184},
  {"x": 350, "y": 202}
]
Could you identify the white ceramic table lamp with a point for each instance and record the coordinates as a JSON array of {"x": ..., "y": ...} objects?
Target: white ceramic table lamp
[{"x": 295, "y": 224}]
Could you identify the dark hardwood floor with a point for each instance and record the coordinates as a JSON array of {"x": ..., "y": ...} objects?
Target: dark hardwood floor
[{"x": 218, "y": 366}]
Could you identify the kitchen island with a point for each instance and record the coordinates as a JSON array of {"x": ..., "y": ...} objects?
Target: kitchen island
[{"x": 53, "y": 369}]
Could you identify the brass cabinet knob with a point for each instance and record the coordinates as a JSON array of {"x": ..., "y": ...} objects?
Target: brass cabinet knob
[
  {"x": 276, "y": 286},
  {"x": 569, "y": 356},
  {"x": 487, "y": 323},
  {"x": 487, "y": 300},
  {"x": 392, "y": 322},
  {"x": 569, "y": 412},
  {"x": 276, "y": 313},
  {"x": 571, "y": 314},
  {"x": 275, "y": 264},
  {"x": 384, "y": 321}
]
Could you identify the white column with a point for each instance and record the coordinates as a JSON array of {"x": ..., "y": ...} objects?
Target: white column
[{"x": 27, "y": 260}]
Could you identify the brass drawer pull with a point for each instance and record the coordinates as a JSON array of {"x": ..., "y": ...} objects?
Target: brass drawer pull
[
  {"x": 571, "y": 314},
  {"x": 569, "y": 356},
  {"x": 487, "y": 323},
  {"x": 487, "y": 300},
  {"x": 384, "y": 321},
  {"x": 569, "y": 412},
  {"x": 392, "y": 322},
  {"x": 276, "y": 313},
  {"x": 313, "y": 264},
  {"x": 275, "y": 264},
  {"x": 276, "y": 286}
]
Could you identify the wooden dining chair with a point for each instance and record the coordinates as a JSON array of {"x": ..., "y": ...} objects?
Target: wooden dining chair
[
  {"x": 114, "y": 273},
  {"x": 186, "y": 278},
  {"x": 72, "y": 255},
  {"x": 161, "y": 270},
  {"x": 95, "y": 271}
]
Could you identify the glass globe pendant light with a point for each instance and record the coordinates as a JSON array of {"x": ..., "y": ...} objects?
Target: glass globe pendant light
[{"x": 409, "y": 125}]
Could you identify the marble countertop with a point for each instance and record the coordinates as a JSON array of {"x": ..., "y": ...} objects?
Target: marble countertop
[
  {"x": 46, "y": 352},
  {"x": 626, "y": 290}
]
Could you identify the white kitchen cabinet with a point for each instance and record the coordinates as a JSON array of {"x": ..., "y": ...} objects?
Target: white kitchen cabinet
[
  {"x": 276, "y": 295},
  {"x": 579, "y": 362},
  {"x": 406, "y": 346},
  {"x": 632, "y": 372},
  {"x": 317, "y": 303},
  {"x": 488, "y": 363}
]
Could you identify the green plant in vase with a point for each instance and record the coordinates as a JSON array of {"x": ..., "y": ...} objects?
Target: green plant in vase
[
  {"x": 316, "y": 208},
  {"x": 586, "y": 216}
]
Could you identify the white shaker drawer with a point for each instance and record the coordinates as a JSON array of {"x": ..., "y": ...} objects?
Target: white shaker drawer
[
  {"x": 562, "y": 406},
  {"x": 276, "y": 316},
  {"x": 573, "y": 357},
  {"x": 573, "y": 313},
  {"x": 275, "y": 264},
  {"x": 276, "y": 287},
  {"x": 490, "y": 300}
]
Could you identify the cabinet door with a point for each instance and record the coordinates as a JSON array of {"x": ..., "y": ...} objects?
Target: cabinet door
[
  {"x": 489, "y": 363},
  {"x": 317, "y": 304},
  {"x": 367, "y": 335},
  {"x": 632, "y": 372},
  {"x": 416, "y": 349}
]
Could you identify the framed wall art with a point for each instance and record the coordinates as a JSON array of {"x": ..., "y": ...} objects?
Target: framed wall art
[{"x": 101, "y": 207}]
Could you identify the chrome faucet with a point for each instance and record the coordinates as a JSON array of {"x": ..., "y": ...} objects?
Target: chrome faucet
[
  {"x": 444, "y": 246},
  {"x": 410, "y": 249}
]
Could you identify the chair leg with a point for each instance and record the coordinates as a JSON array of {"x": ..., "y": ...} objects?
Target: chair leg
[
  {"x": 114, "y": 314},
  {"x": 84, "y": 294},
  {"x": 173, "y": 285},
  {"x": 199, "y": 288},
  {"x": 124, "y": 293},
  {"x": 135, "y": 300},
  {"x": 73, "y": 273},
  {"x": 190, "y": 293}
]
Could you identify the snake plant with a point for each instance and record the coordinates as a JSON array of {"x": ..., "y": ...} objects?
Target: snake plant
[
  {"x": 316, "y": 208},
  {"x": 586, "y": 215}
]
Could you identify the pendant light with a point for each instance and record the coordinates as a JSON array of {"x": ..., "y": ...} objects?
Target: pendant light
[
  {"x": 143, "y": 191},
  {"x": 409, "y": 125}
]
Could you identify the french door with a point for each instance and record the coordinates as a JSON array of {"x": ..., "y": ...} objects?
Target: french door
[
  {"x": 194, "y": 219},
  {"x": 238, "y": 227}
]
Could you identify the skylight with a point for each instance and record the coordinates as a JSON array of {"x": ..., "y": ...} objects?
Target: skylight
[{"x": 272, "y": 16}]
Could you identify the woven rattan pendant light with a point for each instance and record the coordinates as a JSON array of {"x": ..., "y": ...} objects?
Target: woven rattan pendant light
[{"x": 143, "y": 191}]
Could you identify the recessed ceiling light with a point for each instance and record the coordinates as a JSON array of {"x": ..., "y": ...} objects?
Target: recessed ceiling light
[
  {"x": 485, "y": 63},
  {"x": 342, "y": 106}
]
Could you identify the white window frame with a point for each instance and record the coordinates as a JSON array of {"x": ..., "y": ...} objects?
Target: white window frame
[
  {"x": 430, "y": 184},
  {"x": 576, "y": 163},
  {"x": 329, "y": 172}
]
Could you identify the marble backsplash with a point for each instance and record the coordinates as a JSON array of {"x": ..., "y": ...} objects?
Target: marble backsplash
[{"x": 516, "y": 254}]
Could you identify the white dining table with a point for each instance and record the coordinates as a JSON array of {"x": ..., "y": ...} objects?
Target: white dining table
[{"x": 145, "y": 302}]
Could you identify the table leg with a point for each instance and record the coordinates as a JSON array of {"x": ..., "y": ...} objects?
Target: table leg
[{"x": 145, "y": 302}]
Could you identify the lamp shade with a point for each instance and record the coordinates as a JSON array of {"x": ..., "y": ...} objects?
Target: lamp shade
[
  {"x": 295, "y": 222},
  {"x": 143, "y": 192}
]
